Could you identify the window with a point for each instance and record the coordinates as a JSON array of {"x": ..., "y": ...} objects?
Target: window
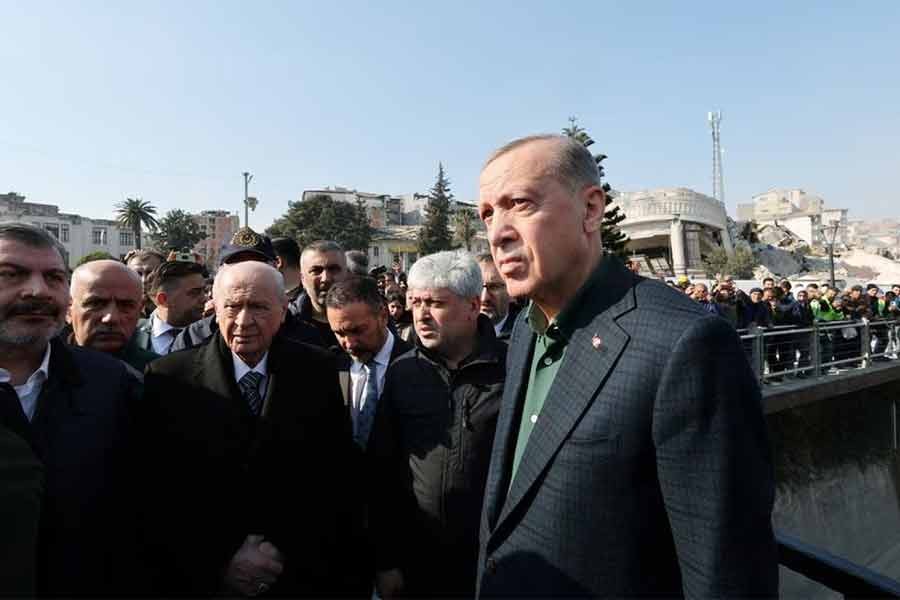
[
  {"x": 98, "y": 236},
  {"x": 374, "y": 251},
  {"x": 126, "y": 238},
  {"x": 64, "y": 232}
]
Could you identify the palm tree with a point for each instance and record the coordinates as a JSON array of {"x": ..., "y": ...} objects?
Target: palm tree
[{"x": 135, "y": 213}]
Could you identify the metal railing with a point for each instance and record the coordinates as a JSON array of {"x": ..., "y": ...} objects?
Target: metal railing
[
  {"x": 846, "y": 578},
  {"x": 825, "y": 347}
]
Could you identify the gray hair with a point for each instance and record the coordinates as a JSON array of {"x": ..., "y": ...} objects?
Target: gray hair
[
  {"x": 226, "y": 270},
  {"x": 36, "y": 237},
  {"x": 322, "y": 247},
  {"x": 571, "y": 163},
  {"x": 456, "y": 271}
]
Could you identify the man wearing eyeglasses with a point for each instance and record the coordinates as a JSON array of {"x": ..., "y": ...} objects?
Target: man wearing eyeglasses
[{"x": 495, "y": 298}]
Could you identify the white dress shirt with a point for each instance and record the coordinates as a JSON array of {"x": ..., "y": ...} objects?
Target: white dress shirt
[
  {"x": 358, "y": 372},
  {"x": 29, "y": 391},
  {"x": 162, "y": 335},
  {"x": 241, "y": 369},
  {"x": 499, "y": 326}
]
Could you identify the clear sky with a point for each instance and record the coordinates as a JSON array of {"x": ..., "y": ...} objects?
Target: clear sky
[{"x": 171, "y": 101}]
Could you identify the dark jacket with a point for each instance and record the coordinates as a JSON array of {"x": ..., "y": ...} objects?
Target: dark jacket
[
  {"x": 200, "y": 332},
  {"x": 432, "y": 442},
  {"x": 359, "y": 565},
  {"x": 132, "y": 354},
  {"x": 302, "y": 309},
  {"x": 82, "y": 433},
  {"x": 856, "y": 309},
  {"x": 649, "y": 472},
  {"x": 214, "y": 473},
  {"x": 21, "y": 491},
  {"x": 511, "y": 316}
]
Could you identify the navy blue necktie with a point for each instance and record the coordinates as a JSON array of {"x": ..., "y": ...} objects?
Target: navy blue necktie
[{"x": 249, "y": 385}]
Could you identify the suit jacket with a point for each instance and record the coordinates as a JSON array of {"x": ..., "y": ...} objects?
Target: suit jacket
[
  {"x": 345, "y": 362},
  {"x": 21, "y": 490},
  {"x": 216, "y": 473},
  {"x": 82, "y": 432},
  {"x": 649, "y": 470}
]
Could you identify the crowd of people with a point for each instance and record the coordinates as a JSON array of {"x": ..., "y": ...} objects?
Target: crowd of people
[
  {"x": 779, "y": 306},
  {"x": 536, "y": 421}
]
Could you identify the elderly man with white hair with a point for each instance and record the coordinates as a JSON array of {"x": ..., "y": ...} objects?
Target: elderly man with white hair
[
  {"x": 245, "y": 440},
  {"x": 434, "y": 428}
]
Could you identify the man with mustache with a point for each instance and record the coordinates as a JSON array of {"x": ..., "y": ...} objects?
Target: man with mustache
[
  {"x": 631, "y": 455},
  {"x": 322, "y": 264},
  {"x": 106, "y": 304},
  {"x": 74, "y": 408}
]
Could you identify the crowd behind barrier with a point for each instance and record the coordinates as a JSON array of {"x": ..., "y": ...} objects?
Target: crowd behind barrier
[{"x": 804, "y": 331}]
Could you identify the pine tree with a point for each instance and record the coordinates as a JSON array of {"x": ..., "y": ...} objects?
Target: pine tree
[
  {"x": 613, "y": 239},
  {"x": 435, "y": 234}
]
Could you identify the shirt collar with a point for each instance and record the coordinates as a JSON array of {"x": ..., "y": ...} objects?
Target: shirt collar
[
  {"x": 592, "y": 297},
  {"x": 241, "y": 368},
  {"x": 42, "y": 373},
  {"x": 499, "y": 326},
  {"x": 158, "y": 326}
]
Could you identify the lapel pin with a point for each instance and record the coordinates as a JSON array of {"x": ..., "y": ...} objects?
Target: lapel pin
[{"x": 596, "y": 342}]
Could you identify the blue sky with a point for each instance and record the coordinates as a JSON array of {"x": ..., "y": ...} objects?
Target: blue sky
[{"x": 171, "y": 101}]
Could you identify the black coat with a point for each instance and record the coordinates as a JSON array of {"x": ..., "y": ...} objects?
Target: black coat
[
  {"x": 82, "y": 433},
  {"x": 432, "y": 442},
  {"x": 215, "y": 473},
  {"x": 649, "y": 471}
]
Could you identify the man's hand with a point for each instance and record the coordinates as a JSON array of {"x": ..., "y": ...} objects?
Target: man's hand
[
  {"x": 255, "y": 567},
  {"x": 209, "y": 308},
  {"x": 389, "y": 583}
]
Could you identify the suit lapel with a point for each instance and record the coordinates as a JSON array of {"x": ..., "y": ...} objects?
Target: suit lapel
[
  {"x": 214, "y": 370},
  {"x": 591, "y": 353},
  {"x": 520, "y": 348}
]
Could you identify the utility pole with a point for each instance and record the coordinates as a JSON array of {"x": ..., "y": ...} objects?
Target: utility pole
[{"x": 247, "y": 178}]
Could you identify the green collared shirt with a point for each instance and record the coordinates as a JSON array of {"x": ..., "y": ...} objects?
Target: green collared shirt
[{"x": 549, "y": 352}]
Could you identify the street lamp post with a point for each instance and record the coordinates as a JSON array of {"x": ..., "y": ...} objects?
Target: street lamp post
[
  {"x": 834, "y": 230},
  {"x": 247, "y": 178}
]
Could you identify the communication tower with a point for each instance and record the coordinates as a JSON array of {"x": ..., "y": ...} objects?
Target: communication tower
[{"x": 715, "y": 119}]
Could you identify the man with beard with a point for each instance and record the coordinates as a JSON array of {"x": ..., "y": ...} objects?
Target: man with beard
[
  {"x": 322, "y": 264},
  {"x": 178, "y": 289},
  {"x": 495, "y": 298},
  {"x": 631, "y": 454},
  {"x": 106, "y": 303},
  {"x": 73, "y": 407},
  {"x": 359, "y": 319},
  {"x": 143, "y": 262}
]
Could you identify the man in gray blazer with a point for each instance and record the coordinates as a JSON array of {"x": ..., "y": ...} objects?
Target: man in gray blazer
[{"x": 631, "y": 456}]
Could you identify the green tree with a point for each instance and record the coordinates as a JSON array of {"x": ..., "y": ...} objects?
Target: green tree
[
  {"x": 739, "y": 265},
  {"x": 614, "y": 241},
  {"x": 320, "y": 217},
  {"x": 135, "y": 214},
  {"x": 96, "y": 255},
  {"x": 176, "y": 231},
  {"x": 434, "y": 234},
  {"x": 465, "y": 226}
]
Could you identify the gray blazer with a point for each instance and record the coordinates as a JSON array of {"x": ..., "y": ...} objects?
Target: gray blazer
[{"x": 649, "y": 471}]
